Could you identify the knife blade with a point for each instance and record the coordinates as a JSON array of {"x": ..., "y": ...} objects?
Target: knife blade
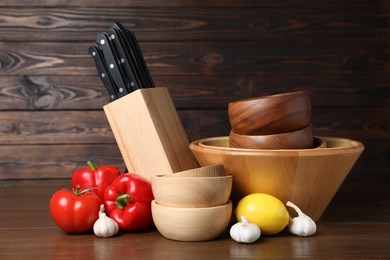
[
  {"x": 97, "y": 56},
  {"x": 134, "y": 50},
  {"x": 125, "y": 59},
  {"x": 112, "y": 63}
]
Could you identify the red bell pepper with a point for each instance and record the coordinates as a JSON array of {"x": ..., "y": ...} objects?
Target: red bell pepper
[
  {"x": 98, "y": 179},
  {"x": 128, "y": 201}
]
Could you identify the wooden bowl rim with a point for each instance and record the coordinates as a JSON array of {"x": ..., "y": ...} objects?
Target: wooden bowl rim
[
  {"x": 300, "y": 138},
  {"x": 351, "y": 146},
  {"x": 214, "y": 170},
  {"x": 226, "y": 205},
  {"x": 283, "y": 95},
  {"x": 172, "y": 177}
]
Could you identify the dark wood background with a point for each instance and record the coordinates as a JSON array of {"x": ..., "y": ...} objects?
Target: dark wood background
[{"x": 207, "y": 53}]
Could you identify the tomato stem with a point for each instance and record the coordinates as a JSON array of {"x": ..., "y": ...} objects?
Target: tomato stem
[
  {"x": 79, "y": 192},
  {"x": 122, "y": 201},
  {"x": 91, "y": 166}
]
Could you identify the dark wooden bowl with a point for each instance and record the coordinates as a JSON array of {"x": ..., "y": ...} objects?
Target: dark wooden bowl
[
  {"x": 298, "y": 139},
  {"x": 270, "y": 114}
]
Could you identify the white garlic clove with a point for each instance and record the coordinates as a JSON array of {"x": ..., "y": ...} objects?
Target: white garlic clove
[
  {"x": 105, "y": 226},
  {"x": 302, "y": 225},
  {"x": 245, "y": 232}
]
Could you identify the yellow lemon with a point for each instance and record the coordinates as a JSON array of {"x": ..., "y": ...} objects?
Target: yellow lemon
[{"x": 264, "y": 210}]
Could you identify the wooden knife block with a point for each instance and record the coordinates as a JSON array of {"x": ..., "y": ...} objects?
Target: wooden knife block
[{"x": 149, "y": 133}]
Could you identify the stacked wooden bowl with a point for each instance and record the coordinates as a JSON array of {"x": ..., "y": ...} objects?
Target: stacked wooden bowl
[
  {"x": 272, "y": 122},
  {"x": 192, "y": 205},
  {"x": 271, "y": 149}
]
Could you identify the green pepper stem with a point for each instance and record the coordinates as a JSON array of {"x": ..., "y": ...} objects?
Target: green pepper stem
[
  {"x": 91, "y": 166},
  {"x": 122, "y": 201}
]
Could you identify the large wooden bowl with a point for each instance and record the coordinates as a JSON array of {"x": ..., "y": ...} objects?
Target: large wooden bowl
[
  {"x": 191, "y": 192},
  {"x": 191, "y": 224},
  {"x": 307, "y": 177},
  {"x": 270, "y": 114},
  {"x": 297, "y": 139}
]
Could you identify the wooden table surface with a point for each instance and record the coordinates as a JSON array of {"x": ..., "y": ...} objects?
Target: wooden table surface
[{"x": 356, "y": 225}]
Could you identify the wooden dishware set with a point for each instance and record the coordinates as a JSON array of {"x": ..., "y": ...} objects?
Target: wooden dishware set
[
  {"x": 153, "y": 142},
  {"x": 271, "y": 149},
  {"x": 191, "y": 202}
]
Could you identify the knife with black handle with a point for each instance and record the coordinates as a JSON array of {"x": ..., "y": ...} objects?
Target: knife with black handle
[
  {"x": 97, "y": 56},
  {"x": 125, "y": 59},
  {"x": 135, "y": 60},
  {"x": 138, "y": 53},
  {"x": 112, "y": 63},
  {"x": 135, "y": 52}
]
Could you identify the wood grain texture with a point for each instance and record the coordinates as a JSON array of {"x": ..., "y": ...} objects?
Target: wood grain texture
[
  {"x": 274, "y": 114},
  {"x": 297, "y": 139},
  {"x": 50, "y": 127},
  {"x": 32, "y": 127},
  {"x": 197, "y": 91},
  {"x": 58, "y": 161},
  {"x": 149, "y": 133},
  {"x": 22, "y": 133},
  {"x": 196, "y": 191},
  {"x": 185, "y": 4},
  {"x": 207, "y": 53},
  {"x": 51, "y": 93},
  {"x": 195, "y": 23},
  {"x": 230, "y": 57},
  {"x": 346, "y": 231},
  {"x": 309, "y": 177},
  {"x": 53, "y": 161}
]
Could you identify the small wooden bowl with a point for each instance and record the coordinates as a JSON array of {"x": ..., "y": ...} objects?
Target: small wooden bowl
[
  {"x": 270, "y": 114},
  {"x": 191, "y": 224},
  {"x": 307, "y": 177},
  {"x": 191, "y": 192},
  {"x": 298, "y": 139},
  {"x": 207, "y": 171}
]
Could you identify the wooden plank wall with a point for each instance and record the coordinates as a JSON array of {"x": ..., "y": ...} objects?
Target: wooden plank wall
[{"x": 207, "y": 53}]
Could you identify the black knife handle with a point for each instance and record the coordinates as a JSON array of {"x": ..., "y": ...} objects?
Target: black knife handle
[
  {"x": 132, "y": 53},
  {"x": 144, "y": 67},
  {"x": 125, "y": 60},
  {"x": 112, "y": 64},
  {"x": 96, "y": 54},
  {"x": 136, "y": 53}
]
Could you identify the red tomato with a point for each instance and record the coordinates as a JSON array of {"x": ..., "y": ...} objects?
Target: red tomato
[{"x": 75, "y": 212}]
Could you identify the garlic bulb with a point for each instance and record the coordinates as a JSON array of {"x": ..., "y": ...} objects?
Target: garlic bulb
[
  {"x": 245, "y": 232},
  {"x": 302, "y": 225},
  {"x": 105, "y": 226}
]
